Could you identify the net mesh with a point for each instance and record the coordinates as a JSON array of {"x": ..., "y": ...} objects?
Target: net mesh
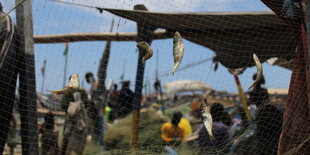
[{"x": 122, "y": 105}]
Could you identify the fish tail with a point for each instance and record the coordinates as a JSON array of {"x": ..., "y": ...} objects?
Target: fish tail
[
  {"x": 174, "y": 68},
  {"x": 212, "y": 138},
  {"x": 143, "y": 60},
  {"x": 252, "y": 86}
]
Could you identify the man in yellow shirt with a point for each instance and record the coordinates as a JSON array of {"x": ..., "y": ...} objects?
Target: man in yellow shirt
[
  {"x": 186, "y": 125},
  {"x": 171, "y": 132}
]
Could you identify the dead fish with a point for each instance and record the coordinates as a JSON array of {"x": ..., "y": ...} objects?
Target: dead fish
[
  {"x": 145, "y": 47},
  {"x": 207, "y": 119},
  {"x": 259, "y": 71},
  {"x": 74, "y": 85},
  {"x": 178, "y": 51}
]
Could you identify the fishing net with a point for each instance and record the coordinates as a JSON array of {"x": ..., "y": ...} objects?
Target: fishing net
[{"x": 123, "y": 106}]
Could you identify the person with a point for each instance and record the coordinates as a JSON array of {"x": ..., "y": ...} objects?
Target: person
[
  {"x": 157, "y": 85},
  {"x": 220, "y": 132},
  {"x": 195, "y": 120},
  {"x": 75, "y": 127},
  {"x": 12, "y": 138},
  {"x": 49, "y": 138},
  {"x": 89, "y": 76},
  {"x": 112, "y": 103},
  {"x": 226, "y": 119},
  {"x": 258, "y": 95},
  {"x": 265, "y": 140},
  {"x": 171, "y": 132},
  {"x": 186, "y": 125},
  {"x": 91, "y": 107},
  {"x": 125, "y": 100}
]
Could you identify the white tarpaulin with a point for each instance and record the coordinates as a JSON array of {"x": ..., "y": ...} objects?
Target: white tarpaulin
[{"x": 186, "y": 86}]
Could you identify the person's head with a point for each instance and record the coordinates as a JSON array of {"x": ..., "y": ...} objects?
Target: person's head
[
  {"x": 217, "y": 111},
  {"x": 261, "y": 82},
  {"x": 1, "y": 8},
  {"x": 176, "y": 118},
  {"x": 195, "y": 106},
  {"x": 49, "y": 120},
  {"x": 89, "y": 77},
  {"x": 126, "y": 84},
  {"x": 115, "y": 86},
  {"x": 268, "y": 121}
]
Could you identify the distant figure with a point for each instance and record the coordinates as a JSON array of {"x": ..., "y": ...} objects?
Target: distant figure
[
  {"x": 12, "y": 138},
  {"x": 49, "y": 138},
  {"x": 171, "y": 132},
  {"x": 259, "y": 95},
  {"x": 196, "y": 119},
  {"x": 91, "y": 107},
  {"x": 157, "y": 85},
  {"x": 220, "y": 132},
  {"x": 75, "y": 127},
  {"x": 112, "y": 103},
  {"x": 93, "y": 84},
  {"x": 125, "y": 100},
  {"x": 268, "y": 121}
]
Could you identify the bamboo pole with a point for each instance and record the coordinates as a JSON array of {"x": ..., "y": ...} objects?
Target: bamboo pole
[
  {"x": 27, "y": 88},
  {"x": 243, "y": 98},
  {"x": 102, "y": 74},
  {"x": 145, "y": 33},
  {"x": 111, "y": 36}
]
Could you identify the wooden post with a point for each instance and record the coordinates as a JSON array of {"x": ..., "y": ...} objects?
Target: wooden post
[
  {"x": 65, "y": 69},
  {"x": 102, "y": 74},
  {"x": 27, "y": 86},
  {"x": 243, "y": 98},
  {"x": 308, "y": 30},
  {"x": 43, "y": 76},
  {"x": 145, "y": 33}
]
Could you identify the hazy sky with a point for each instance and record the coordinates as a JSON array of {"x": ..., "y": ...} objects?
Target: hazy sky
[{"x": 56, "y": 18}]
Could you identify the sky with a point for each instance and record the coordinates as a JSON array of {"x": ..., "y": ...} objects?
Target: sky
[{"x": 56, "y": 18}]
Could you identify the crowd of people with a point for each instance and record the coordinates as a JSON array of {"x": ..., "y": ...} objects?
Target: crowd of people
[
  {"x": 233, "y": 133},
  {"x": 227, "y": 128}
]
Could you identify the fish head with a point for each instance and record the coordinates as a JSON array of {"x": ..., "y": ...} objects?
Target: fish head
[
  {"x": 74, "y": 77},
  {"x": 74, "y": 81},
  {"x": 142, "y": 45},
  {"x": 177, "y": 35}
]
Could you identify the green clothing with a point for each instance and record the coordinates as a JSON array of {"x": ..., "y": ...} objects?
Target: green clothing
[{"x": 107, "y": 113}]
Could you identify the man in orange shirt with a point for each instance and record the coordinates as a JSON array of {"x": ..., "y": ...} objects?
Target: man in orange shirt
[{"x": 171, "y": 132}]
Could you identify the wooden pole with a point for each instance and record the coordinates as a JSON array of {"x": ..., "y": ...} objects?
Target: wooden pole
[
  {"x": 243, "y": 98},
  {"x": 43, "y": 76},
  {"x": 112, "y": 36},
  {"x": 145, "y": 33},
  {"x": 308, "y": 31},
  {"x": 102, "y": 71},
  {"x": 102, "y": 74},
  {"x": 27, "y": 88},
  {"x": 65, "y": 71}
]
